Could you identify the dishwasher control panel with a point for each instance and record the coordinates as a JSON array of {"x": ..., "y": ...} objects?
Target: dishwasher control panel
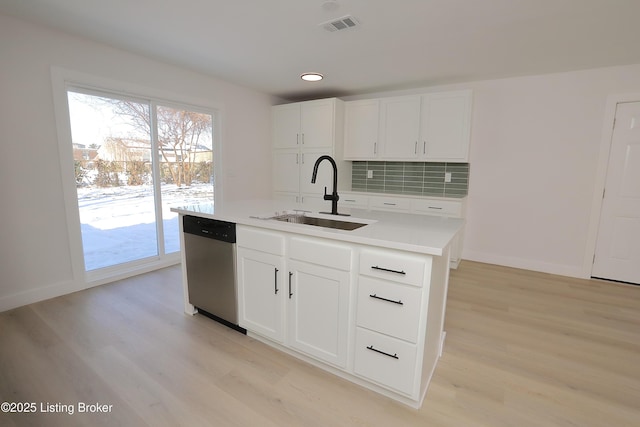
[{"x": 212, "y": 228}]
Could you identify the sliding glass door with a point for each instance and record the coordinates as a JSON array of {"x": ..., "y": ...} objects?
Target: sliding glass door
[{"x": 133, "y": 160}]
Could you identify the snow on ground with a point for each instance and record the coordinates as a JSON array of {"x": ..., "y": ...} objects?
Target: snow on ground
[{"x": 118, "y": 223}]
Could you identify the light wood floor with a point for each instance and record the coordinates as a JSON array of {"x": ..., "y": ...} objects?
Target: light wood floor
[{"x": 522, "y": 349}]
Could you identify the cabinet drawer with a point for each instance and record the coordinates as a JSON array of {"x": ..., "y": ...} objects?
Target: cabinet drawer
[
  {"x": 438, "y": 207},
  {"x": 354, "y": 201},
  {"x": 319, "y": 252},
  {"x": 391, "y": 265},
  {"x": 389, "y": 308},
  {"x": 387, "y": 361},
  {"x": 260, "y": 240},
  {"x": 390, "y": 203}
]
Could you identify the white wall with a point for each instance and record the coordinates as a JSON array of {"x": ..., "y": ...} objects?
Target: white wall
[
  {"x": 533, "y": 164},
  {"x": 35, "y": 255}
]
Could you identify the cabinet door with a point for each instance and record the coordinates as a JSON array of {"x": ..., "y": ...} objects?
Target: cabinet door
[
  {"x": 399, "y": 127},
  {"x": 261, "y": 291},
  {"x": 445, "y": 126},
  {"x": 286, "y": 165},
  {"x": 286, "y": 125},
  {"x": 324, "y": 177},
  {"x": 317, "y": 123},
  {"x": 318, "y": 305},
  {"x": 361, "y": 129}
]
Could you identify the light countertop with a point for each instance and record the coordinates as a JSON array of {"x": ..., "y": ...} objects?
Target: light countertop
[{"x": 423, "y": 234}]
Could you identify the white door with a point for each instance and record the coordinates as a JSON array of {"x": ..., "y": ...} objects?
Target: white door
[
  {"x": 261, "y": 290},
  {"x": 318, "y": 300},
  {"x": 399, "y": 127},
  {"x": 286, "y": 170},
  {"x": 286, "y": 125},
  {"x": 617, "y": 255},
  {"x": 316, "y": 122},
  {"x": 445, "y": 126},
  {"x": 361, "y": 129}
]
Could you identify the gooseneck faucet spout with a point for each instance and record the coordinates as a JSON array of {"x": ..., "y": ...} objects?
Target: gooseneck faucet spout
[{"x": 334, "y": 194}]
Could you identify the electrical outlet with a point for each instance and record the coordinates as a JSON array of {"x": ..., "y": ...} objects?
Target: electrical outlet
[
  {"x": 447, "y": 177},
  {"x": 369, "y": 174}
]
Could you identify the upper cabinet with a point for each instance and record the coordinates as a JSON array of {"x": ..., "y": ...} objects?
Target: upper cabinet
[
  {"x": 429, "y": 127},
  {"x": 308, "y": 124},
  {"x": 445, "y": 126},
  {"x": 302, "y": 132},
  {"x": 362, "y": 130}
]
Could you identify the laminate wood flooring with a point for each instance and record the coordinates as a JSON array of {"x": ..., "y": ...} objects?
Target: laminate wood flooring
[{"x": 522, "y": 349}]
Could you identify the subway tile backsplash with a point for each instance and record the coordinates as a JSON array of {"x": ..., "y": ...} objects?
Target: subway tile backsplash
[{"x": 411, "y": 178}]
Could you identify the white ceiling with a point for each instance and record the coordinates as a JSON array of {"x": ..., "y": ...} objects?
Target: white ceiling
[{"x": 267, "y": 44}]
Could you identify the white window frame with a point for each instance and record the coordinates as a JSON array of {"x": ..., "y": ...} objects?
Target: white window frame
[{"x": 64, "y": 80}]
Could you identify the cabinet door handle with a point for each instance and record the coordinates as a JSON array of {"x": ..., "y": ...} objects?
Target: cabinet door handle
[
  {"x": 297, "y": 158},
  {"x": 372, "y": 348},
  {"x": 297, "y": 138},
  {"x": 375, "y": 148},
  {"x": 275, "y": 280},
  {"x": 290, "y": 293},
  {"x": 375, "y": 267},
  {"x": 415, "y": 149},
  {"x": 399, "y": 302},
  {"x": 302, "y": 138},
  {"x": 303, "y": 157},
  {"x": 424, "y": 147}
]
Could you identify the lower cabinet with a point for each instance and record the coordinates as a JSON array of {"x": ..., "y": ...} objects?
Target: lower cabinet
[
  {"x": 386, "y": 360},
  {"x": 260, "y": 298},
  {"x": 318, "y": 310},
  {"x": 372, "y": 315}
]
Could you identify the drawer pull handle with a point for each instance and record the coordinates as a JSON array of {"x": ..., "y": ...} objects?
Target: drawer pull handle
[
  {"x": 395, "y": 355},
  {"x": 275, "y": 281},
  {"x": 388, "y": 204},
  {"x": 434, "y": 207},
  {"x": 399, "y": 302},
  {"x": 349, "y": 200},
  {"x": 375, "y": 267},
  {"x": 290, "y": 293}
]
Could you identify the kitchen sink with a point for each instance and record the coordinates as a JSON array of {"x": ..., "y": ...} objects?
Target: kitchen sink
[{"x": 298, "y": 218}]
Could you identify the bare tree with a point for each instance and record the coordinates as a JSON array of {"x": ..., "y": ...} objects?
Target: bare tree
[{"x": 181, "y": 134}]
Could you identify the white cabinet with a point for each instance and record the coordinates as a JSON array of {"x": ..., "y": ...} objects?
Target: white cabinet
[
  {"x": 261, "y": 296},
  {"x": 260, "y": 268},
  {"x": 295, "y": 290},
  {"x": 446, "y": 126},
  {"x": 361, "y": 130},
  {"x": 399, "y": 128},
  {"x": 428, "y": 127},
  {"x": 302, "y": 132},
  {"x": 318, "y": 310},
  {"x": 308, "y": 124}
]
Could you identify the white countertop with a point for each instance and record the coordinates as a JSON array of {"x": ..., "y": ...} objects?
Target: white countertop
[{"x": 409, "y": 232}]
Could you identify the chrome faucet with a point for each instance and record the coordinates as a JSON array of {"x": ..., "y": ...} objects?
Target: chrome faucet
[{"x": 334, "y": 194}]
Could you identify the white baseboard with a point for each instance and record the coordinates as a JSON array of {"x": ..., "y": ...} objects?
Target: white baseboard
[
  {"x": 526, "y": 264},
  {"x": 58, "y": 289},
  {"x": 38, "y": 294}
]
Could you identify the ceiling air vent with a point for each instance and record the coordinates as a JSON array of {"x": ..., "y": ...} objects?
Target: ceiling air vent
[{"x": 344, "y": 23}]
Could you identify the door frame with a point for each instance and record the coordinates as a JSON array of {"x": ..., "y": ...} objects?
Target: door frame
[
  {"x": 601, "y": 175},
  {"x": 63, "y": 79}
]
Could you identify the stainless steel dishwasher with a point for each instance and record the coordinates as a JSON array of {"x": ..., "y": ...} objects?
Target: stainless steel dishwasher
[{"x": 210, "y": 253}]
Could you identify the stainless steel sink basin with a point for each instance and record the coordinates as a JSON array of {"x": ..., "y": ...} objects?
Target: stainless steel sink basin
[{"x": 297, "y": 218}]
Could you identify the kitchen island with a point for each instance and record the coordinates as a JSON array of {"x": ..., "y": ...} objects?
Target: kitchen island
[{"x": 366, "y": 304}]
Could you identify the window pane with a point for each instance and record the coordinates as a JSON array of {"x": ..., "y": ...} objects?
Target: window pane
[
  {"x": 112, "y": 156},
  {"x": 185, "y": 151}
]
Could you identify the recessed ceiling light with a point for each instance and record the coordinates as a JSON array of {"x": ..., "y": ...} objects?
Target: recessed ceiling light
[{"x": 311, "y": 77}]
